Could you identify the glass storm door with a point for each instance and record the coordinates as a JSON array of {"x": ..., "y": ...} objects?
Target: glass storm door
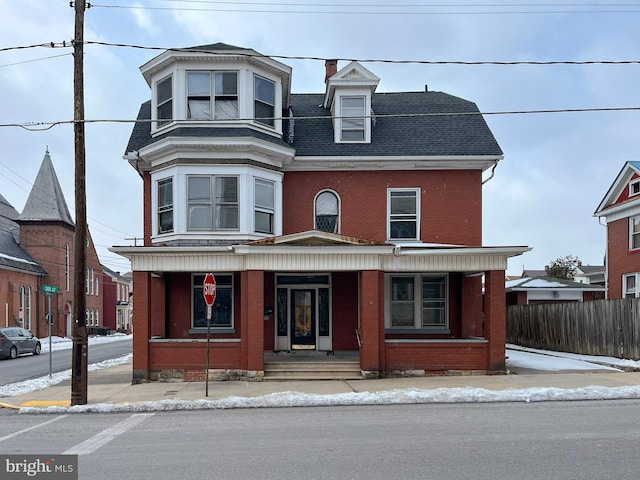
[{"x": 303, "y": 319}]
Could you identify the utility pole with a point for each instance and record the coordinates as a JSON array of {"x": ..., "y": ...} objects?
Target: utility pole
[{"x": 80, "y": 353}]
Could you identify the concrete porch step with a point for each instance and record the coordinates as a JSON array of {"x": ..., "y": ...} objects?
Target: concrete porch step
[{"x": 331, "y": 370}]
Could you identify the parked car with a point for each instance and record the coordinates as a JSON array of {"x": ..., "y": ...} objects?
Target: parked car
[{"x": 15, "y": 341}]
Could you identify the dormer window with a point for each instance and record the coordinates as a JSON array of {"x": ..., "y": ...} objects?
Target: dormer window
[
  {"x": 264, "y": 100},
  {"x": 352, "y": 118},
  {"x": 164, "y": 100},
  {"x": 224, "y": 101},
  {"x": 634, "y": 187}
]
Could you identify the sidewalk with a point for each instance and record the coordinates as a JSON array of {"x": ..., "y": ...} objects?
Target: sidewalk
[{"x": 111, "y": 389}]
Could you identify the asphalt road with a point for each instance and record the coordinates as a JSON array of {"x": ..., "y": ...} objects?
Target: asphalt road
[
  {"x": 27, "y": 367},
  {"x": 553, "y": 440}
]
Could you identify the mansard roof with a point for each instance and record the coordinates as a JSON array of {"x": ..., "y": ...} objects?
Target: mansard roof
[
  {"x": 406, "y": 124},
  {"x": 46, "y": 202}
]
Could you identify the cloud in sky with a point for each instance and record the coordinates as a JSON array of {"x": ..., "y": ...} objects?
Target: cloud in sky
[{"x": 557, "y": 167}]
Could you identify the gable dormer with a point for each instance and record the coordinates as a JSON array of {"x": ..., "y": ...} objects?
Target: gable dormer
[
  {"x": 348, "y": 97},
  {"x": 219, "y": 85}
]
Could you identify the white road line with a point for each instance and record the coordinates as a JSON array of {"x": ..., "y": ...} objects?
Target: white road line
[
  {"x": 15, "y": 434},
  {"x": 92, "y": 444}
]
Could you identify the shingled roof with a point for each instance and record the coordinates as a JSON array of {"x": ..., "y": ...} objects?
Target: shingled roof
[
  {"x": 46, "y": 202},
  {"x": 12, "y": 255},
  {"x": 406, "y": 124}
]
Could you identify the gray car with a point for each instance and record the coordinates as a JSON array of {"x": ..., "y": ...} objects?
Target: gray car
[{"x": 15, "y": 341}]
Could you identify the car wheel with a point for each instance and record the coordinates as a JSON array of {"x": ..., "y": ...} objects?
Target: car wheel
[
  {"x": 36, "y": 351},
  {"x": 13, "y": 353}
]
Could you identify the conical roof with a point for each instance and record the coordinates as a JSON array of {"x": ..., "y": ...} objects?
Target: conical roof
[{"x": 46, "y": 201}]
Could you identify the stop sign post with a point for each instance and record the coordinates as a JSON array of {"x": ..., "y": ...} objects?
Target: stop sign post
[{"x": 209, "y": 293}]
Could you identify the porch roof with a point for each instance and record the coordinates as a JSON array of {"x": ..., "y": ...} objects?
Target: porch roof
[{"x": 328, "y": 257}]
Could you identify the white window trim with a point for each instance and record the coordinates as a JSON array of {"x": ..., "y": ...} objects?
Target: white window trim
[
  {"x": 365, "y": 132},
  {"x": 274, "y": 120},
  {"x": 631, "y": 219},
  {"x": 634, "y": 184},
  {"x": 636, "y": 292},
  {"x": 418, "y": 215},
  {"x": 157, "y": 206},
  {"x": 315, "y": 213},
  {"x": 268, "y": 210},
  {"x": 417, "y": 303},
  {"x": 157, "y": 124},
  {"x": 212, "y": 95}
]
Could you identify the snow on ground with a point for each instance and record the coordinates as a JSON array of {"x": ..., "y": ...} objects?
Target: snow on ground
[{"x": 518, "y": 357}]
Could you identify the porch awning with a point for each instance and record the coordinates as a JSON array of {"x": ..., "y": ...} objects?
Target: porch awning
[{"x": 320, "y": 253}]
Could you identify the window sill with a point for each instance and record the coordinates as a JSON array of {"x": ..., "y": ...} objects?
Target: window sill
[
  {"x": 421, "y": 331},
  {"x": 203, "y": 330}
]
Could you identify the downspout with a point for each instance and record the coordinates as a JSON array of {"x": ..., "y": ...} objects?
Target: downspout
[
  {"x": 606, "y": 261},
  {"x": 493, "y": 172}
]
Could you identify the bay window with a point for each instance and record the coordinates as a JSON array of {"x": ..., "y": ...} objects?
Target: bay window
[
  {"x": 264, "y": 206},
  {"x": 212, "y": 203},
  {"x": 164, "y": 101},
  {"x": 165, "y": 205},
  {"x": 264, "y": 100},
  {"x": 202, "y": 105}
]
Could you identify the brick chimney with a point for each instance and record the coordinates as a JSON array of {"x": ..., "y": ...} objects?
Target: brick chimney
[{"x": 331, "y": 68}]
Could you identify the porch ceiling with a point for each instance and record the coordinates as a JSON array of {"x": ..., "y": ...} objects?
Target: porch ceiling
[{"x": 323, "y": 258}]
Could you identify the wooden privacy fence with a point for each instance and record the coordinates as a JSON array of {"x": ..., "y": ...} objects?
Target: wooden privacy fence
[{"x": 601, "y": 327}]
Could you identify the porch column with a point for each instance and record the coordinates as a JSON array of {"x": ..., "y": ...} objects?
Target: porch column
[
  {"x": 495, "y": 323},
  {"x": 372, "y": 322},
  {"x": 141, "y": 325},
  {"x": 252, "y": 320}
]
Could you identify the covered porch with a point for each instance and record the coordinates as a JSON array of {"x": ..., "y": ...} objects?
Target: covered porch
[{"x": 337, "y": 292}]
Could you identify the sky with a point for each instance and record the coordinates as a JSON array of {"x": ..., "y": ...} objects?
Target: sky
[
  {"x": 517, "y": 357},
  {"x": 557, "y": 167}
]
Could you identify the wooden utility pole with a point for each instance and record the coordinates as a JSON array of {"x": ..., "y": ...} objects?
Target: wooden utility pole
[{"x": 80, "y": 353}]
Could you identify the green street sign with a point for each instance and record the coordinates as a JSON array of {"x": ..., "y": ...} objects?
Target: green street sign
[{"x": 49, "y": 289}]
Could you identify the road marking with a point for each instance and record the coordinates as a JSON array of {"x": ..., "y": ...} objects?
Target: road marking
[
  {"x": 92, "y": 444},
  {"x": 20, "y": 432}
]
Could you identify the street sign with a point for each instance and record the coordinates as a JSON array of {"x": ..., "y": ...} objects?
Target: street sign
[
  {"x": 209, "y": 289},
  {"x": 49, "y": 289}
]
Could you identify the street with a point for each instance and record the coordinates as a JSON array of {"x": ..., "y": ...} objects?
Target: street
[
  {"x": 550, "y": 440},
  {"x": 27, "y": 367}
]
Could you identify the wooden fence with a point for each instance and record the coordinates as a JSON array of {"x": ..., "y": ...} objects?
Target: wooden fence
[{"x": 601, "y": 327}]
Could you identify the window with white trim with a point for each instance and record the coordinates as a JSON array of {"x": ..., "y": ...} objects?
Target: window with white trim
[
  {"x": 418, "y": 302},
  {"x": 630, "y": 285},
  {"x": 403, "y": 207},
  {"x": 264, "y": 211},
  {"x": 164, "y": 101},
  {"x": 634, "y": 233},
  {"x": 165, "y": 205},
  {"x": 222, "y": 309},
  {"x": 264, "y": 101},
  {"x": 212, "y": 203},
  {"x": 222, "y": 105},
  {"x": 352, "y": 116},
  {"x": 327, "y": 212},
  {"x": 634, "y": 187}
]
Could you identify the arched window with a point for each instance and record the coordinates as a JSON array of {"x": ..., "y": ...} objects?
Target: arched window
[
  {"x": 27, "y": 309},
  {"x": 327, "y": 213},
  {"x": 22, "y": 305}
]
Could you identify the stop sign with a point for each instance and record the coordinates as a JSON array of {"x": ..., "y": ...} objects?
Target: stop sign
[{"x": 209, "y": 289}]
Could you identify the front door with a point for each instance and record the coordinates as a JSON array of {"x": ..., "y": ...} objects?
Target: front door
[{"x": 303, "y": 319}]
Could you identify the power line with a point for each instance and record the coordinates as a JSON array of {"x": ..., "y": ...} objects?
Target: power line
[
  {"x": 35, "y": 60},
  {"x": 593, "y": 6},
  {"x": 378, "y": 116},
  {"x": 371, "y": 60}
]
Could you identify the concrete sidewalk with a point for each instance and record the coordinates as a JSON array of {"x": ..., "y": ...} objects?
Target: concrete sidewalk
[{"x": 113, "y": 386}]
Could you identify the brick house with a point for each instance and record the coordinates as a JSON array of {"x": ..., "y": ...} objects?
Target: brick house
[
  {"x": 36, "y": 249},
  {"x": 347, "y": 222},
  {"x": 620, "y": 209},
  {"x": 118, "y": 310}
]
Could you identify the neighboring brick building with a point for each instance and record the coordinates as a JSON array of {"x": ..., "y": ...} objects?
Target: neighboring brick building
[
  {"x": 621, "y": 210},
  {"x": 346, "y": 222},
  {"x": 36, "y": 249},
  {"x": 116, "y": 291}
]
